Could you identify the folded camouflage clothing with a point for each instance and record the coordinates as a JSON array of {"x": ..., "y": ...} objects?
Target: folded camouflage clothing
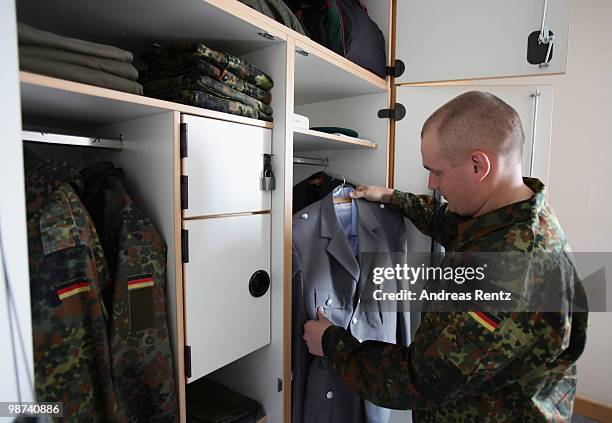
[
  {"x": 279, "y": 11},
  {"x": 239, "y": 67},
  {"x": 207, "y": 85},
  {"x": 213, "y": 102},
  {"x": 190, "y": 65}
]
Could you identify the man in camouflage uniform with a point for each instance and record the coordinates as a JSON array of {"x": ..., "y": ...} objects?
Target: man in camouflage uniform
[
  {"x": 68, "y": 273},
  {"x": 474, "y": 366},
  {"x": 141, "y": 358}
]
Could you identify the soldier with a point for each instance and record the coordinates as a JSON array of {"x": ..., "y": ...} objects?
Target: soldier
[{"x": 477, "y": 365}]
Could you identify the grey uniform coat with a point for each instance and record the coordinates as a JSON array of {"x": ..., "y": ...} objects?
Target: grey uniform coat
[{"x": 327, "y": 274}]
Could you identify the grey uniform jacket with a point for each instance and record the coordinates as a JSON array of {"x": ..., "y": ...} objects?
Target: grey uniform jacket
[{"x": 327, "y": 274}]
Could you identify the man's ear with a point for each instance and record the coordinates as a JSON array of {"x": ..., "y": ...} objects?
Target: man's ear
[{"x": 481, "y": 165}]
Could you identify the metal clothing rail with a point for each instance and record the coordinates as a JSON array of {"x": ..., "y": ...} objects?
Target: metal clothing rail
[
  {"x": 49, "y": 138},
  {"x": 310, "y": 161}
]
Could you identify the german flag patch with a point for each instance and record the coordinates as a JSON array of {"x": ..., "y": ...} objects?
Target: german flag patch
[
  {"x": 488, "y": 320},
  {"x": 73, "y": 287},
  {"x": 140, "y": 281}
]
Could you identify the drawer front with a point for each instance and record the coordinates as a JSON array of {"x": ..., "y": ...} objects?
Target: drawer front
[
  {"x": 224, "y": 320},
  {"x": 224, "y": 164}
]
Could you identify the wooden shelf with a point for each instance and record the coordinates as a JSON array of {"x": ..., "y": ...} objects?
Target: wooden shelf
[
  {"x": 223, "y": 24},
  {"x": 323, "y": 75},
  {"x": 53, "y": 99},
  {"x": 227, "y": 25},
  {"x": 342, "y": 78},
  {"x": 309, "y": 140}
]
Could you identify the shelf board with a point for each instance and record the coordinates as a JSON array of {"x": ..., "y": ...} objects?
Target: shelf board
[
  {"x": 309, "y": 140},
  {"x": 222, "y": 24},
  {"x": 323, "y": 75},
  {"x": 56, "y": 99},
  {"x": 343, "y": 78}
]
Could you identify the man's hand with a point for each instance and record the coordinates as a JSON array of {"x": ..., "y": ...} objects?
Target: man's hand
[
  {"x": 313, "y": 333},
  {"x": 373, "y": 193}
]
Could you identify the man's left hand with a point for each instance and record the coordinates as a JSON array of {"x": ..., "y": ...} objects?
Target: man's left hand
[{"x": 313, "y": 333}]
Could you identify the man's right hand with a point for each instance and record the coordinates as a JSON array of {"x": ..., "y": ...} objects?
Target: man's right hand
[{"x": 373, "y": 193}]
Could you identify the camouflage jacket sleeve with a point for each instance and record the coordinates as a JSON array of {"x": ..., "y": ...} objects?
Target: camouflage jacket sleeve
[
  {"x": 429, "y": 216},
  {"x": 452, "y": 357}
]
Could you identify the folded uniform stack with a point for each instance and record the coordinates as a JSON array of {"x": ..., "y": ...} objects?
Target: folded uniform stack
[
  {"x": 279, "y": 11},
  {"x": 194, "y": 74},
  {"x": 77, "y": 60},
  {"x": 210, "y": 402}
]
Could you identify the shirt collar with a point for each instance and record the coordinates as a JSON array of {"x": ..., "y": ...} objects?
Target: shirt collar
[{"x": 477, "y": 227}]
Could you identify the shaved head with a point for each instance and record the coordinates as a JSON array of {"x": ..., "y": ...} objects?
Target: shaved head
[{"x": 477, "y": 120}]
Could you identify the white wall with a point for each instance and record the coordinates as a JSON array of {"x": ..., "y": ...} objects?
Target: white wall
[
  {"x": 12, "y": 223},
  {"x": 580, "y": 187}
]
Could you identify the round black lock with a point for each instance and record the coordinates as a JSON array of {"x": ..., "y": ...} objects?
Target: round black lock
[{"x": 259, "y": 283}]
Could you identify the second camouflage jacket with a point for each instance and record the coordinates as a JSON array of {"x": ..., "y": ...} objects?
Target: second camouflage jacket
[{"x": 141, "y": 357}]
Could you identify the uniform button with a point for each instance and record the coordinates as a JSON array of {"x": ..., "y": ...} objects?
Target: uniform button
[
  {"x": 382, "y": 206},
  {"x": 360, "y": 340},
  {"x": 354, "y": 320},
  {"x": 305, "y": 216},
  {"x": 330, "y": 394},
  {"x": 328, "y": 302}
]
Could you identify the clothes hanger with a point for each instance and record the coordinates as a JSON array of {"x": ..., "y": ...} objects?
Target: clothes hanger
[
  {"x": 315, "y": 181},
  {"x": 344, "y": 198},
  {"x": 318, "y": 180}
]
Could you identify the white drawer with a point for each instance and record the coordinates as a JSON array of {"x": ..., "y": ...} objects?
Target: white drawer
[
  {"x": 223, "y": 167},
  {"x": 224, "y": 320}
]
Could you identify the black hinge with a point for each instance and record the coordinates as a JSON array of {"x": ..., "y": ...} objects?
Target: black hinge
[
  {"x": 279, "y": 385},
  {"x": 185, "y": 245},
  {"x": 397, "y": 113},
  {"x": 187, "y": 361},
  {"x": 184, "y": 192},
  {"x": 397, "y": 70},
  {"x": 183, "y": 140}
]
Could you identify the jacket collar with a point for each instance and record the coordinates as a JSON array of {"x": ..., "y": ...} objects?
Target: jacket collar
[
  {"x": 480, "y": 226},
  {"x": 339, "y": 246}
]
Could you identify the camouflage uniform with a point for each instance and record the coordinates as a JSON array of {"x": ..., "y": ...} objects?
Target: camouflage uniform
[
  {"x": 520, "y": 367},
  {"x": 279, "y": 11},
  {"x": 236, "y": 65},
  {"x": 143, "y": 373},
  {"x": 213, "y": 102},
  {"x": 206, "y": 85},
  {"x": 68, "y": 272},
  {"x": 191, "y": 66},
  {"x": 192, "y": 74}
]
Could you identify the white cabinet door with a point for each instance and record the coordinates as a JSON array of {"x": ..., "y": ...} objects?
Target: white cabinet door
[
  {"x": 448, "y": 39},
  {"x": 224, "y": 164},
  {"x": 420, "y": 102},
  {"x": 223, "y": 319}
]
